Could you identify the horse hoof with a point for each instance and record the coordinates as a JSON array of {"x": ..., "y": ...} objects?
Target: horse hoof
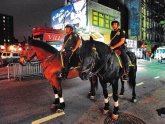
[
  {"x": 105, "y": 112},
  {"x": 134, "y": 100},
  {"x": 115, "y": 116},
  {"x": 92, "y": 97},
  {"x": 53, "y": 106},
  {"x": 121, "y": 96},
  {"x": 59, "y": 110}
]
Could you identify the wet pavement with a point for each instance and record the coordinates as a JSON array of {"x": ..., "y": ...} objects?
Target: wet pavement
[{"x": 24, "y": 102}]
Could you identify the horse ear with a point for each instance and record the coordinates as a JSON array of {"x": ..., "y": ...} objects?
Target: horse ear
[
  {"x": 94, "y": 48},
  {"x": 95, "y": 52},
  {"x": 91, "y": 39},
  {"x": 29, "y": 40},
  {"x": 82, "y": 40}
]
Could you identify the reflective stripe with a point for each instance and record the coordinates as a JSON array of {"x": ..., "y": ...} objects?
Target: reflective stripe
[
  {"x": 106, "y": 100},
  {"x": 116, "y": 104},
  {"x": 56, "y": 96},
  {"x": 61, "y": 100}
]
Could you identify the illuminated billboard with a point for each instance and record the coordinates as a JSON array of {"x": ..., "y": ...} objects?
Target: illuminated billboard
[
  {"x": 89, "y": 19},
  {"x": 134, "y": 21},
  {"x": 74, "y": 14},
  {"x": 100, "y": 18},
  {"x": 73, "y": 1}
]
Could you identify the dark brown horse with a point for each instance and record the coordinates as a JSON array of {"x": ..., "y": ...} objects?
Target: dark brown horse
[{"x": 50, "y": 61}]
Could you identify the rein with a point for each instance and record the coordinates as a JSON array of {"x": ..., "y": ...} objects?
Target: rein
[
  {"x": 46, "y": 59},
  {"x": 40, "y": 60},
  {"x": 99, "y": 69}
]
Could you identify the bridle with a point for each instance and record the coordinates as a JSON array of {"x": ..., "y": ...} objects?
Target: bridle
[
  {"x": 34, "y": 54},
  {"x": 95, "y": 56},
  {"x": 100, "y": 68}
]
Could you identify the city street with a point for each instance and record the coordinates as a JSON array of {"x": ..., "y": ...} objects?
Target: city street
[
  {"x": 28, "y": 101},
  {"x": 41, "y": 39}
]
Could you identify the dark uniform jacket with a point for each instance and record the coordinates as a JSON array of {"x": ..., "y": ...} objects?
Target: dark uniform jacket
[
  {"x": 115, "y": 39},
  {"x": 70, "y": 41}
]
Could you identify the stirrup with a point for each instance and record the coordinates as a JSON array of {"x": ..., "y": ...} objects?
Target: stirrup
[
  {"x": 62, "y": 76},
  {"x": 125, "y": 77}
]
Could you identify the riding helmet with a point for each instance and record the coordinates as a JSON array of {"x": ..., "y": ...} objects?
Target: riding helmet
[
  {"x": 70, "y": 26},
  {"x": 115, "y": 21}
]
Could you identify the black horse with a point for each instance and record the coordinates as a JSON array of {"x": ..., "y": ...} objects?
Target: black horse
[{"x": 98, "y": 60}]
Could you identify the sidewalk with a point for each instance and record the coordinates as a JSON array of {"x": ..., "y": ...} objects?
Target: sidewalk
[
  {"x": 152, "y": 61},
  {"x": 150, "y": 107}
]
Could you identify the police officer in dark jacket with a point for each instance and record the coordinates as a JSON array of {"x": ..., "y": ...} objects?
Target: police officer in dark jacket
[
  {"x": 71, "y": 43},
  {"x": 117, "y": 43}
]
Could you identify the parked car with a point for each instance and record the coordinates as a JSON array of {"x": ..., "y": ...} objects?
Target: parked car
[
  {"x": 10, "y": 57},
  {"x": 160, "y": 53},
  {"x": 138, "y": 52}
]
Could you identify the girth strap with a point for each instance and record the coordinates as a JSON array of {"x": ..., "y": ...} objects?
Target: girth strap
[{"x": 119, "y": 60}]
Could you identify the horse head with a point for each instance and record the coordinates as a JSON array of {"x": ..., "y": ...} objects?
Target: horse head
[
  {"x": 39, "y": 49},
  {"x": 28, "y": 54},
  {"x": 89, "y": 61}
]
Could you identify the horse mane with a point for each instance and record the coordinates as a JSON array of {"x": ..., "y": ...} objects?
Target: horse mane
[
  {"x": 101, "y": 48},
  {"x": 43, "y": 45}
]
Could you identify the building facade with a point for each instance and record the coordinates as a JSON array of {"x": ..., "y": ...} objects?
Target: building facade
[
  {"x": 6, "y": 29},
  {"x": 89, "y": 18},
  {"x": 152, "y": 13},
  {"x": 142, "y": 19}
]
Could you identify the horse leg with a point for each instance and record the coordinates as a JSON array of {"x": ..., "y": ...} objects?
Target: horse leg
[
  {"x": 59, "y": 103},
  {"x": 106, "y": 100},
  {"x": 57, "y": 100},
  {"x": 134, "y": 93},
  {"x": 61, "y": 106},
  {"x": 115, "y": 113},
  {"x": 94, "y": 85},
  {"x": 122, "y": 88},
  {"x": 133, "y": 82}
]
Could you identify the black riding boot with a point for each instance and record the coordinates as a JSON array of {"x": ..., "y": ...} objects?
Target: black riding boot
[
  {"x": 63, "y": 74},
  {"x": 126, "y": 73},
  {"x": 65, "y": 70},
  {"x": 125, "y": 62}
]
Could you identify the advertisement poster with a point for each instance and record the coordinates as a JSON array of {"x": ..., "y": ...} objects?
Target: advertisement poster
[{"x": 74, "y": 14}]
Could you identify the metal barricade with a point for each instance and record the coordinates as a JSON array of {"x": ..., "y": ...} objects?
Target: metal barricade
[{"x": 18, "y": 71}]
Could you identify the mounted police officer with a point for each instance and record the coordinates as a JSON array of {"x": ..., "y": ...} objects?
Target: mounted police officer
[
  {"x": 117, "y": 43},
  {"x": 71, "y": 43}
]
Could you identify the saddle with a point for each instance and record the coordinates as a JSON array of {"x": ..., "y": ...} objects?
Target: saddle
[
  {"x": 74, "y": 60},
  {"x": 118, "y": 52}
]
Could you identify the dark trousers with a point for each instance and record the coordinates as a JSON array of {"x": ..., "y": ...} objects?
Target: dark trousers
[
  {"x": 125, "y": 60},
  {"x": 66, "y": 59}
]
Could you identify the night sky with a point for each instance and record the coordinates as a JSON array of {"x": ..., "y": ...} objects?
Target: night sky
[{"x": 29, "y": 13}]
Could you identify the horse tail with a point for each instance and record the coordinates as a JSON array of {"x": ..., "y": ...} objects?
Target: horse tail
[
  {"x": 132, "y": 56},
  {"x": 132, "y": 69},
  {"x": 132, "y": 75},
  {"x": 91, "y": 39}
]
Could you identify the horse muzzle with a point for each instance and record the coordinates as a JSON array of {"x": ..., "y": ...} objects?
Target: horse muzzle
[
  {"x": 83, "y": 76},
  {"x": 22, "y": 61}
]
